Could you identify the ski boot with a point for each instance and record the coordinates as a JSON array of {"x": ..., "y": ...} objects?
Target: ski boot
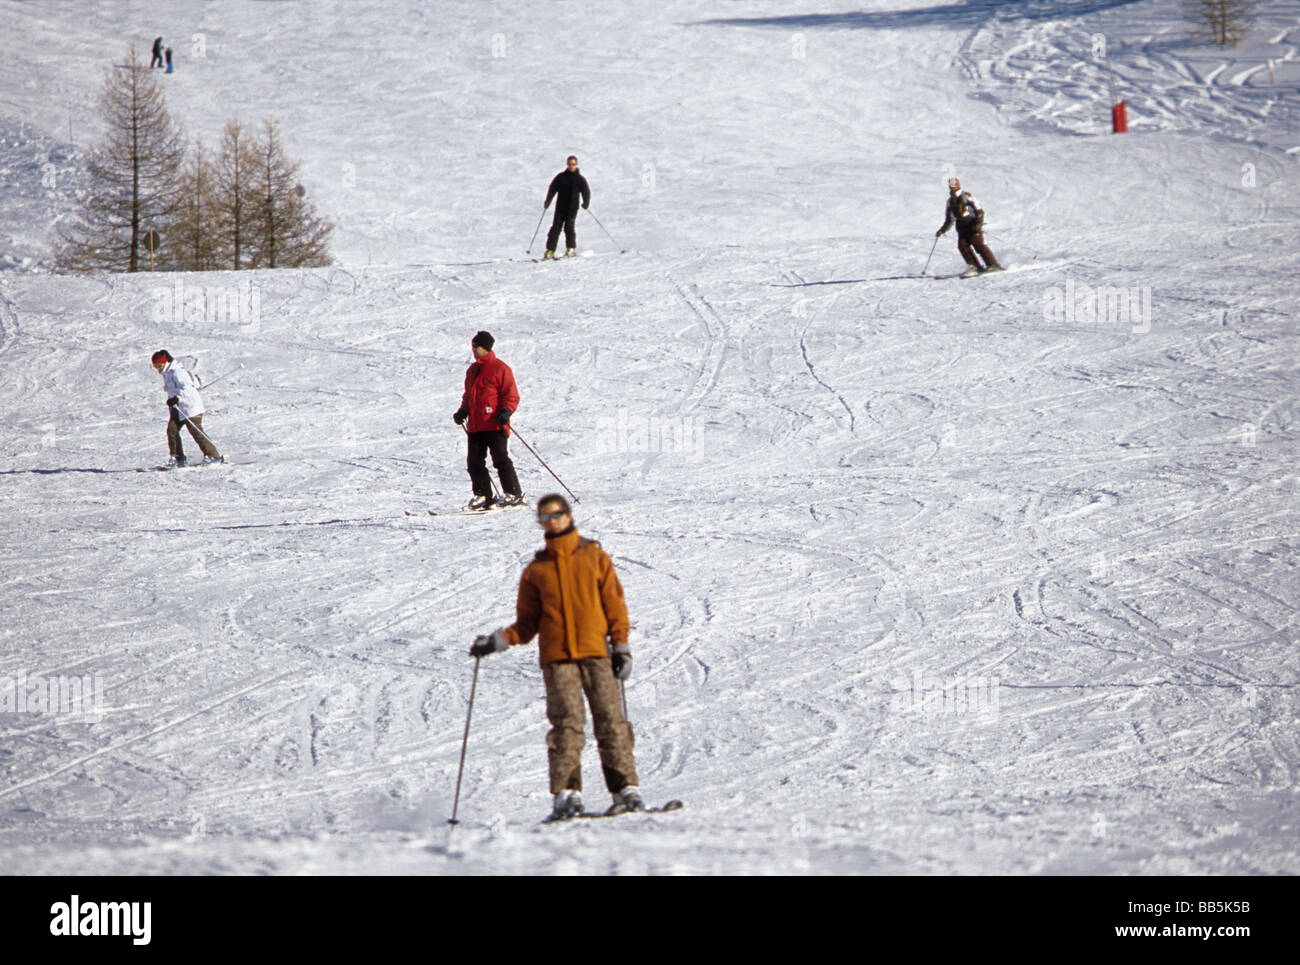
[
  {"x": 549, "y": 256},
  {"x": 568, "y": 804},
  {"x": 628, "y": 799},
  {"x": 213, "y": 460},
  {"x": 570, "y": 252},
  {"x": 177, "y": 462},
  {"x": 971, "y": 271},
  {"x": 510, "y": 499},
  {"x": 479, "y": 504}
]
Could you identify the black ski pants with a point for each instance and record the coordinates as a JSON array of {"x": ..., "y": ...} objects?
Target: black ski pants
[
  {"x": 566, "y": 219},
  {"x": 966, "y": 240},
  {"x": 480, "y": 444}
]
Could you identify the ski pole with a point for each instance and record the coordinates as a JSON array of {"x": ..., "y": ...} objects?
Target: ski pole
[
  {"x": 194, "y": 428},
  {"x": 455, "y": 805},
  {"x": 604, "y": 229},
  {"x": 543, "y": 462},
  {"x": 931, "y": 255},
  {"x": 208, "y": 385},
  {"x": 529, "y": 249},
  {"x": 622, "y": 684}
]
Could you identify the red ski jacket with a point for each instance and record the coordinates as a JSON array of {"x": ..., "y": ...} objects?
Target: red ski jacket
[{"x": 489, "y": 388}]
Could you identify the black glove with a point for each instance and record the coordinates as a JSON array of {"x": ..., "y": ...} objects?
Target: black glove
[
  {"x": 494, "y": 642},
  {"x": 586, "y": 206},
  {"x": 940, "y": 232},
  {"x": 173, "y": 400},
  {"x": 620, "y": 661},
  {"x": 503, "y": 417},
  {"x": 459, "y": 417}
]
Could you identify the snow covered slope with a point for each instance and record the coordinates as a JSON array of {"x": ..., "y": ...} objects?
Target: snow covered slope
[{"x": 956, "y": 576}]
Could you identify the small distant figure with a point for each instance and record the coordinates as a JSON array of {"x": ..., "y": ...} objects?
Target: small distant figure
[
  {"x": 567, "y": 188},
  {"x": 186, "y": 409},
  {"x": 969, "y": 217},
  {"x": 157, "y": 60},
  {"x": 169, "y": 59}
]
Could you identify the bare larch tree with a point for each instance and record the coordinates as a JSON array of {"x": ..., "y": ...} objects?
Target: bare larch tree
[
  {"x": 196, "y": 240},
  {"x": 236, "y": 197},
  {"x": 134, "y": 176},
  {"x": 1224, "y": 22},
  {"x": 289, "y": 232}
]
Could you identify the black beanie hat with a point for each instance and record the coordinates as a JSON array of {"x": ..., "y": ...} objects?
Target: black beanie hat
[{"x": 484, "y": 340}]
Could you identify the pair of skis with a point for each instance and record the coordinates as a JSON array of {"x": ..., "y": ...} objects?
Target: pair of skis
[
  {"x": 468, "y": 512},
  {"x": 192, "y": 465},
  {"x": 969, "y": 274},
  {"x": 575, "y": 255},
  {"x": 615, "y": 811}
]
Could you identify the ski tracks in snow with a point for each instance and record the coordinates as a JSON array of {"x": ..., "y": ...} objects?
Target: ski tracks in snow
[{"x": 1061, "y": 509}]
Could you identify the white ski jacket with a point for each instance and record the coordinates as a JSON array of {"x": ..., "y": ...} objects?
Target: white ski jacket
[{"x": 182, "y": 384}]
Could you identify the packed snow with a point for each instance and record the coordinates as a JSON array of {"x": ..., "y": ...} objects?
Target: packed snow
[{"x": 963, "y": 576}]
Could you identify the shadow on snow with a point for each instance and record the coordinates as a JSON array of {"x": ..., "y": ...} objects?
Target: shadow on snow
[{"x": 967, "y": 14}]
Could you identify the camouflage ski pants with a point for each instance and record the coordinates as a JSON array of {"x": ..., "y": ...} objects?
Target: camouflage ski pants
[{"x": 566, "y": 682}]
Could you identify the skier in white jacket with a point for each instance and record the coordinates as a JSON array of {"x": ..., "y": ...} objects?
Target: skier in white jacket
[{"x": 186, "y": 409}]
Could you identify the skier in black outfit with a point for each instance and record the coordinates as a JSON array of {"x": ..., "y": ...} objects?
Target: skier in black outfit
[
  {"x": 566, "y": 188},
  {"x": 157, "y": 60}
]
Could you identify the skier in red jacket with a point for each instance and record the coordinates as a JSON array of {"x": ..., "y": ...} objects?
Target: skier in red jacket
[{"x": 490, "y": 398}]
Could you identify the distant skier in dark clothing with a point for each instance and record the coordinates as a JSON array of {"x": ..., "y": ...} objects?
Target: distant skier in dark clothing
[
  {"x": 168, "y": 53},
  {"x": 157, "y": 60},
  {"x": 491, "y": 398},
  {"x": 969, "y": 217},
  {"x": 566, "y": 188}
]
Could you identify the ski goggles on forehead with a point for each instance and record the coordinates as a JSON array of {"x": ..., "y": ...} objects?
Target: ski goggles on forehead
[{"x": 547, "y": 517}]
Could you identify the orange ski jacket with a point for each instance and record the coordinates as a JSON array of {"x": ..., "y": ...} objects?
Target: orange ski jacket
[{"x": 571, "y": 599}]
